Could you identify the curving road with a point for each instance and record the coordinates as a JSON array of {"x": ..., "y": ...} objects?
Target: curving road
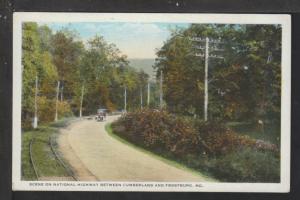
[{"x": 95, "y": 155}]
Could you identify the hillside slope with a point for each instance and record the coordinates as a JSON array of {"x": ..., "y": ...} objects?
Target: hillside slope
[{"x": 143, "y": 64}]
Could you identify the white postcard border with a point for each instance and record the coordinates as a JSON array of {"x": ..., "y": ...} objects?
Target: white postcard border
[{"x": 284, "y": 20}]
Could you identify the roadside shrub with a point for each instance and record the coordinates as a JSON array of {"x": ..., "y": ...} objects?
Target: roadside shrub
[
  {"x": 263, "y": 145},
  {"x": 61, "y": 123},
  {"x": 46, "y": 112},
  {"x": 64, "y": 109},
  {"x": 247, "y": 165},
  {"x": 26, "y": 123},
  {"x": 45, "y": 109},
  {"x": 160, "y": 131},
  {"x": 221, "y": 140},
  {"x": 270, "y": 132},
  {"x": 209, "y": 147}
]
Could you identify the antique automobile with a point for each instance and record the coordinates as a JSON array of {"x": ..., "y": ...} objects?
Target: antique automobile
[{"x": 101, "y": 114}]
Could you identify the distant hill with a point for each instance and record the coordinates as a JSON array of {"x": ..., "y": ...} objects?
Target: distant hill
[{"x": 144, "y": 64}]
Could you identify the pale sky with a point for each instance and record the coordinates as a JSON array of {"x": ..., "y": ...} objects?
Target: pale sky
[{"x": 136, "y": 40}]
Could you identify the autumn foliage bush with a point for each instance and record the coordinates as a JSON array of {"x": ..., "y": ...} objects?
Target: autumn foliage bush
[
  {"x": 46, "y": 109},
  {"x": 221, "y": 140},
  {"x": 160, "y": 131},
  {"x": 209, "y": 147},
  {"x": 46, "y": 112},
  {"x": 64, "y": 109}
]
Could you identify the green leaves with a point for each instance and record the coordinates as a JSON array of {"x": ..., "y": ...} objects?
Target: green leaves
[
  {"x": 240, "y": 87},
  {"x": 36, "y": 62},
  {"x": 62, "y": 56}
]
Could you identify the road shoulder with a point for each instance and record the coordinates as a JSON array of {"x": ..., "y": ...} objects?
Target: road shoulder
[{"x": 81, "y": 172}]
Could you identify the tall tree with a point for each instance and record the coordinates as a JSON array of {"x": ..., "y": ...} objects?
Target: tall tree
[
  {"x": 66, "y": 52},
  {"x": 244, "y": 85},
  {"x": 37, "y": 62}
]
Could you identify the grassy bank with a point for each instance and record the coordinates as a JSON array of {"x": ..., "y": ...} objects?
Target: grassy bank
[{"x": 43, "y": 158}]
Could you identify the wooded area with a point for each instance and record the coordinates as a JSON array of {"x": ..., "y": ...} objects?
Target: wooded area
[
  {"x": 76, "y": 78},
  {"x": 244, "y": 86},
  {"x": 71, "y": 74}
]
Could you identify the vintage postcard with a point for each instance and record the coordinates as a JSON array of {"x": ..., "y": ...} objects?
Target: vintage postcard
[{"x": 151, "y": 102}]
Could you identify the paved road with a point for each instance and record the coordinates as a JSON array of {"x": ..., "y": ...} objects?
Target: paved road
[{"x": 95, "y": 155}]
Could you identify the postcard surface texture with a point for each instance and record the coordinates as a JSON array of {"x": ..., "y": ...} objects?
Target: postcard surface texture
[{"x": 151, "y": 102}]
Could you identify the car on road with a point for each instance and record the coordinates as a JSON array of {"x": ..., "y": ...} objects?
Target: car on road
[{"x": 101, "y": 114}]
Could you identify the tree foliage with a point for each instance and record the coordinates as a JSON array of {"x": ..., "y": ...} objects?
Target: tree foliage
[
  {"x": 98, "y": 69},
  {"x": 37, "y": 63},
  {"x": 245, "y": 85}
]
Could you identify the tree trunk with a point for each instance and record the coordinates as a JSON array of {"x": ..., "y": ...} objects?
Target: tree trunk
[
  {"x": 141, "y": 93},
  {"x": 148, "y": 94},
  {"x": 35, "y": 119},
  {"x": 81, "y": 101},
  {"x": 56, "y": 106},
  {"x": 62, "y": 93}
]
